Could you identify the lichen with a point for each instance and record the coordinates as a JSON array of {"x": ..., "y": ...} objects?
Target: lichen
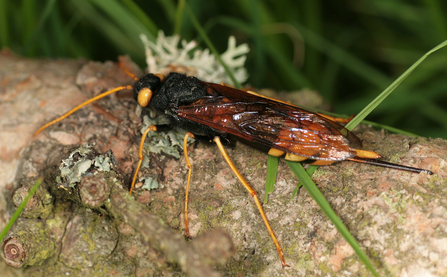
[
  {"x": 166, "y": 53},
  {"x": 166, "y": 142},
  {"x": 79, "y": 163},
  {"x": 102, "y": 163},
  {"x": 74, "y": 167},
  {"x": 150, "y": 183}
]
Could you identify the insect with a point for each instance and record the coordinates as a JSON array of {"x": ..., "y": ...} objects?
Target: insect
[{"x": 215, "y": 112}]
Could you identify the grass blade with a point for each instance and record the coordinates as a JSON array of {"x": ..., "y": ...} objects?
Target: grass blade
[
  {"x": 312, "y": 189},
  {"x": 210, "y": 45},
  {"x": 371, "y": 106},
  {"x": 30, "y": 42},
  {"x": 141, "y": 16},
  {"x": 272, "y": 170},
  {"x": 310, "y": 186},
  {"x": 20, "y": 208},
  {"x": 4, "y": 30},
  {"x": 179, "y": 16}
]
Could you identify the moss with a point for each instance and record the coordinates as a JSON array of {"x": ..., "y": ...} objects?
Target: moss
[
  {"x": 175, "y": 223},
  {"x": 204, "y": 210},
  {"x": 325, "y": 269},
  {"x": 364, "y": 223},
  {"x": 396, "y": 200},
  {"x": 305, "y": 261},
  {"x": 88, "y": 239}
]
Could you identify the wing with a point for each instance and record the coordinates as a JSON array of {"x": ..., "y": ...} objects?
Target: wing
[{"x": 271, "y": 123}]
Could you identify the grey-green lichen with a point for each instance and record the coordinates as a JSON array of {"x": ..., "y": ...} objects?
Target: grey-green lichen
[
  {"x": 168, "y": 142},
  {"x": 151, "y": 183},
  {"x": 74, "y": 167},
  {"x": 79, "y": 163}
]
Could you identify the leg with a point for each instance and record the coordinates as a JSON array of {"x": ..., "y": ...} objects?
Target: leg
[
  {"x": 185, "y": 152},
  {"x": 255, "y": 198},
  {"x": 140, "y": 155}
]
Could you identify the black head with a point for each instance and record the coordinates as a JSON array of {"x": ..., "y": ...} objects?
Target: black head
[{"x": 146, "y": 87}]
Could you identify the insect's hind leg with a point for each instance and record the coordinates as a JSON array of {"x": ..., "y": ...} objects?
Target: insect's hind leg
[
  {"x": 188, "y": 163},
  {"x": 255, "y": 198},
  {"x": 140, "y": 155}
]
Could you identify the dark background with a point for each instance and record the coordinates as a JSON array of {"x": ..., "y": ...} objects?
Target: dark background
[{"x": 347, "y": 50}]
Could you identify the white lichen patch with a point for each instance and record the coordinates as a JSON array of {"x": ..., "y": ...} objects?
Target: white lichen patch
[{"x": 166, "y": 54}]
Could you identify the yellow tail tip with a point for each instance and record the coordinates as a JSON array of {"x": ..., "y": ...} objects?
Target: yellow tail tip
[{"x": 367, "y": 154}]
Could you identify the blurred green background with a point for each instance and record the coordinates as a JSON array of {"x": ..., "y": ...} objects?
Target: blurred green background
[{"x": 348, "y": 50}]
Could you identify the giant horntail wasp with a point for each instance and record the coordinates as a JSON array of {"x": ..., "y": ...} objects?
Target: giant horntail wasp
[{"x": 216, "y": 112}]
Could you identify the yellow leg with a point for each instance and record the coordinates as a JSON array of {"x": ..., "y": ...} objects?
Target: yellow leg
[
  {"x": 185, "y": 152},
  {"x": 255, "y": 198},
  {"x": 140, "y": 155}
]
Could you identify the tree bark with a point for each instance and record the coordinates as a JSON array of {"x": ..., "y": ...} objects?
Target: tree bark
[{"x": 399, "y": 218}]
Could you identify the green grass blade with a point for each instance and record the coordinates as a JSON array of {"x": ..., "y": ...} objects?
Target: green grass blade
[
  {"x": 310, "y": 170},
  {"x": 293, "y": 74},
  {"x": 437, "y": 16},
  {"x": 295, "y": 191},
  {"x": 30, "y": 41},
  {"x": 272, "y": 170},
  {"x": 4, "y": 29},
  {"x": 119, "y": 38},
  {"x": 371, "y": 106},
  {"x": 389, "y": 128},
  {"x": 141, "y": 16},
  {"x": 312, "y": 189},
  {"x": 123, "y": 18},
  {"x": 310, "y": 186},
  {"x": 20, "y": 208},
  {"x": 343, "y": 57},
  {"x": 169, "y": 8},
  {"x": 179, "y": 16},
  {"x": 258, "y": 46},
  {"x": 210, "y": 45},
  {"x": 435, "y": 113}
]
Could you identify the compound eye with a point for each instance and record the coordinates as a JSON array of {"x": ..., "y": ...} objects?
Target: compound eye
[{"x": 144, "y": 97}]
